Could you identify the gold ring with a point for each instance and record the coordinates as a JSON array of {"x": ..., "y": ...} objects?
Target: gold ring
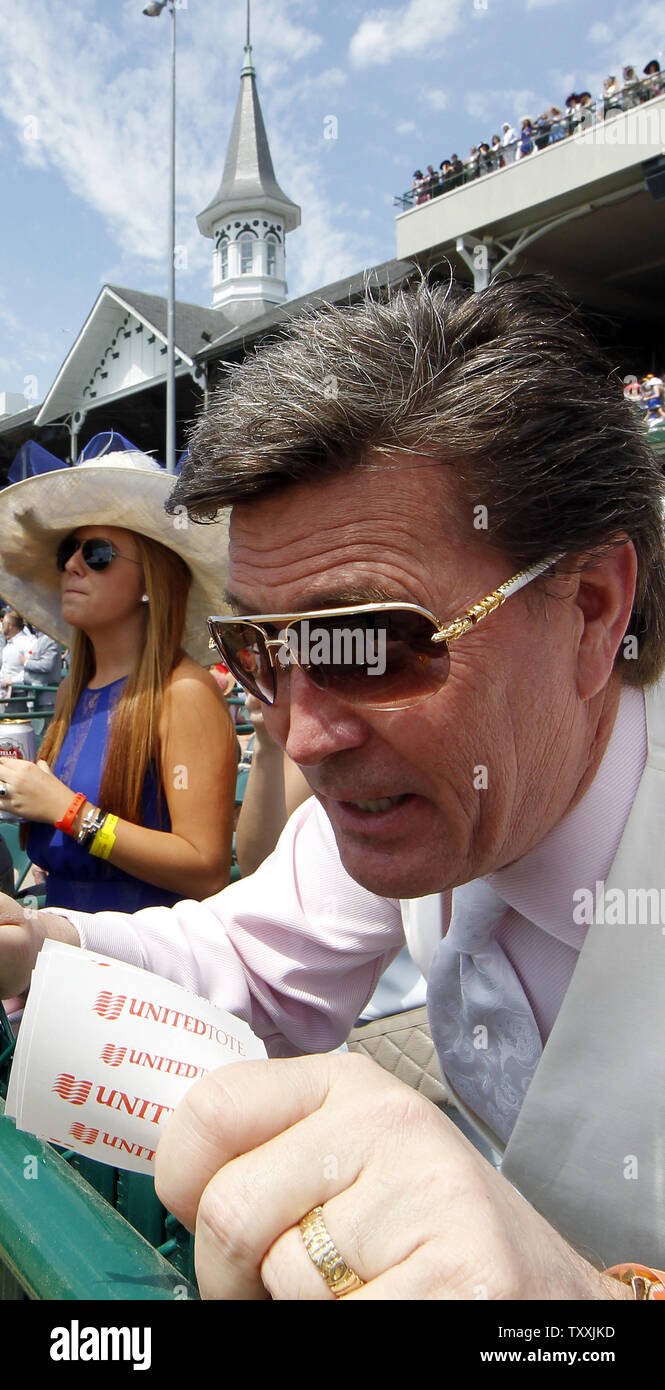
[{"x": 339, "y": 1276}]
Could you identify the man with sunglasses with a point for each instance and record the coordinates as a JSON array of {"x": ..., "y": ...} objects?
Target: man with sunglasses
[{"x": 429, "y": 473}]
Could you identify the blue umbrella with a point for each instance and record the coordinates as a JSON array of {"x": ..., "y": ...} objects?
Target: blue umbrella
[
  {"x": 30, "y": 460},
  {"x": 108, "y": 442}
]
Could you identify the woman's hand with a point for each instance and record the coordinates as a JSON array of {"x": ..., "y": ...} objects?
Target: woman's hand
[
  {"x": 32, "y": 792},
  {"x": 413, "y": 1208}
]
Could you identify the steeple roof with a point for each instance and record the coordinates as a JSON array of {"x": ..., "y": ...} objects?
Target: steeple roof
[{"x": 248, "y": 182}]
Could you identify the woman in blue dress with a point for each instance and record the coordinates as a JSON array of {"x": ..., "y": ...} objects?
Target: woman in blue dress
[{"x": 131, "y": 802}]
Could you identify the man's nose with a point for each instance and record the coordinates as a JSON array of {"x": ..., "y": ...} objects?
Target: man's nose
[{"x": 319, "y": 724}]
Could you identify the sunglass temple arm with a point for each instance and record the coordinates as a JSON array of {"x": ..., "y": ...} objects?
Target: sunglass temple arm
[{"x": 487, "y": 605}]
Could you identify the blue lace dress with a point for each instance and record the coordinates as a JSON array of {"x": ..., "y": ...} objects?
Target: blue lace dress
[{"x": 76, "y": 878}]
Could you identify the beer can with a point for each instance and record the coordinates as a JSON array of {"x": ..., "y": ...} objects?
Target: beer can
[{"x": 17, "y": 740}]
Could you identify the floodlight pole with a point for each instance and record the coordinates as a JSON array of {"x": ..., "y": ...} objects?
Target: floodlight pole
[
  {"x": 170, "y": 321},
  {"x": 153, "y": 10}
]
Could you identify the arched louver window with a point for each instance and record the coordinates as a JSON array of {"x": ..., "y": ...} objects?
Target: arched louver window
[
  {"x": 246, "y": 254},
  {"x": 224, "y": 259},
  {"x": 271, "y": 255}
]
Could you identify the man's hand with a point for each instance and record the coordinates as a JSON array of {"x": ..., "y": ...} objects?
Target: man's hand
[
  {"x": 20, "y": 941},
  {"x": 410, "y": 1204},
  {"x": 22, "y": 935}
]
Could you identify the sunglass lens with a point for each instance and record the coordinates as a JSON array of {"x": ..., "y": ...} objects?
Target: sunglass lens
[
  {"x": 244, "y": 650},
  {"x": 383, "y": 660},
  {"x": 97, "y": 553}
]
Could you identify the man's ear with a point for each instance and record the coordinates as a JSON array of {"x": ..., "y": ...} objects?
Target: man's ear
[{"x": 605, "y": 595}]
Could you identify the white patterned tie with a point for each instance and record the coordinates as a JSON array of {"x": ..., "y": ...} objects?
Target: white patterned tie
[{"x": 486, "y": 1036}]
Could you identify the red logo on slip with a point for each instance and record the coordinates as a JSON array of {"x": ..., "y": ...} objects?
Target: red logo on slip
[
  {"x": 109, "y": 1005},
  {"x": 68, "y": 1088},
  {"x": 113, "y": 1055},
  {"x": 83, "y": 1133}
]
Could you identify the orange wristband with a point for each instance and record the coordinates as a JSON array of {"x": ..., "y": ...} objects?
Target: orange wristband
[
  {"x": 71, "y": 813},
  {"x": 647, "y": 1284}
]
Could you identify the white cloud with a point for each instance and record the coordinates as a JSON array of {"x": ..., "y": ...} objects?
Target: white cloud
[
  {"x": 497, "y": 105},
  {"x": 405, "y": 127},
  {"x": 88, "y": 101},
  {"x": 436, "y": 98},
  {"x": 321, "y": 253},
  {"x": 600, "y": 33},
  {"x": 28, "y": 348},
  {"x": 631, "y": 40},
  {"x": 620, "y": 40},
  {"x": 418, "y": 27}
]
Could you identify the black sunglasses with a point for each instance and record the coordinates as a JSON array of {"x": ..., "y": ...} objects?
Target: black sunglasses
[{"x": 96, "y": 553}]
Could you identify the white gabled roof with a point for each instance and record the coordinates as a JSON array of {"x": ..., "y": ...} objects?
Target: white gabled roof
[{"x": 115, "y": 312}]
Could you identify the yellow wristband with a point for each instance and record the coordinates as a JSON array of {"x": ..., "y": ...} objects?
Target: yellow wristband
[{"x": 105, "y": 838}]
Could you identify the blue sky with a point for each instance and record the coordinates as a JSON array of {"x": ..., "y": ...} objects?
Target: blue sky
[{"x": 84, "y": 130}]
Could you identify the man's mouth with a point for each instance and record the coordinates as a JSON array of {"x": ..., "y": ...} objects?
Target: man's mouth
[{"x": 381, "y": 803}]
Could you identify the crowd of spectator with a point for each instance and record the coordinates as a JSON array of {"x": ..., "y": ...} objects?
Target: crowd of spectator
[
  {"x": 548, "y": 128},
  {"x": 28, "y": 657},
  {"x": 647, "y": 396}
]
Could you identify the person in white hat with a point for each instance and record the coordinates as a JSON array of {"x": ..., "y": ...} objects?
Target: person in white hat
[{"x": 131, "y": 802}]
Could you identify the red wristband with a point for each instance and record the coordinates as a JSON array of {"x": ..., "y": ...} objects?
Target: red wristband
[{"x": 71, "y": 813}]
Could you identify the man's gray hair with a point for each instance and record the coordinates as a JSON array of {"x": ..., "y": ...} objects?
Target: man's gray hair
[{"x": 506, "y": 386}]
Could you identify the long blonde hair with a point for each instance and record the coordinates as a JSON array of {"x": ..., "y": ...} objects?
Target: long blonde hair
[{"x": 133, "y": 742}]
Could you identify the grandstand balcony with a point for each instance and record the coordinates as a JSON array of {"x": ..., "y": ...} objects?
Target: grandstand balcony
[{"x": 587, "y": 209}]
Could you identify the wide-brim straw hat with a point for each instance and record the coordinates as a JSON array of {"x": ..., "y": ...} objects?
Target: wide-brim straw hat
[{"x": 125, "y": 489}]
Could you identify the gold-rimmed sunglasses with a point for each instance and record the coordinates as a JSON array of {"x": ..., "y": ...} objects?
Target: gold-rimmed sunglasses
[{"x": 383, "y": 656}]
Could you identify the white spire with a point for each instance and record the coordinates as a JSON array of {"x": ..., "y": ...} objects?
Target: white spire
[{"x": 249, "y": 216}]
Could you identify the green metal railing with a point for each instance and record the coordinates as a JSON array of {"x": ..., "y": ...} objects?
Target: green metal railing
[
  {"x": 656, "y": 440},
  {"x": 60, "y": 1239},
  {"x": 244, "y": 727},
  {"x": 25, "y": 701}
]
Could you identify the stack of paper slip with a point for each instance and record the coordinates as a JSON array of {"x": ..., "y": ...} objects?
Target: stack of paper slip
[{"x": 106, "y": 1051}]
